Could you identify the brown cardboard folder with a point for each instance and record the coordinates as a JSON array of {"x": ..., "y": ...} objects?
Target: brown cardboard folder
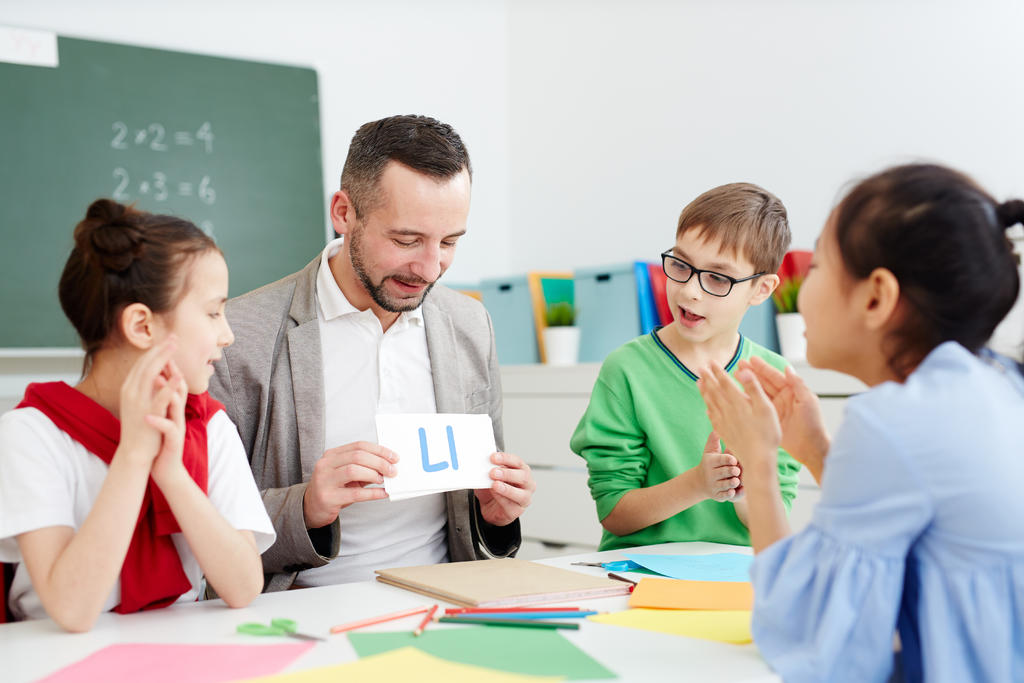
[{"x": 500, "y": 583}]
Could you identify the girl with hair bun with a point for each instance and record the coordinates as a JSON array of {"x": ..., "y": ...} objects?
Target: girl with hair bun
[
  {"x": 123, "y": 492},
  {"x": 919, "y": 526}
]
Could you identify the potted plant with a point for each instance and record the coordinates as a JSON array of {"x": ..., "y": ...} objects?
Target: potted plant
[
  {"x": 561, "y": 336},
  {"x": 788, "y": 321}
]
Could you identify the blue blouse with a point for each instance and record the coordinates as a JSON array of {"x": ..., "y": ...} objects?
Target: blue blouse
[{"x": 920, "y": 528}]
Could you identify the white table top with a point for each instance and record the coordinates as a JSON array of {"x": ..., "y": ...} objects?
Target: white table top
[{"x": 31, "y": 649}]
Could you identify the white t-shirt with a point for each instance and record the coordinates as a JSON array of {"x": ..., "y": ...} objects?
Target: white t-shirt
[
  {"x": 368, "y": 371},
  {"x": 49, "y": 479}
]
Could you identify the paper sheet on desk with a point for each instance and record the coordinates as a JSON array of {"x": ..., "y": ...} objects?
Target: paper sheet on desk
[
  {"x": 713, "y": 567},
  {"x": 405, "y": 664},
  {"x": 171, "y": 663},
  {"x": 516, "y": 650},
  {"x": 437, "y": 452},
  {"x": 727, "y": 626},
  {"x": 679, "y": 594}
]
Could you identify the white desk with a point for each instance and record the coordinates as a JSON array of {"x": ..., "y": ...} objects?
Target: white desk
[{"x": 31, "y": 649}]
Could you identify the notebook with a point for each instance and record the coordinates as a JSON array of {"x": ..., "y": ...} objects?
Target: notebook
[{"x": 500, "y": 583}]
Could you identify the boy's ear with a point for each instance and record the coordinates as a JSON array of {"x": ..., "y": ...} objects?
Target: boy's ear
[
  {"x": 880, "y": 298},
  {"x": 766, "y": 284},
  {"x": 343, "y": 213},
  {"x": 138, "y": 325}
]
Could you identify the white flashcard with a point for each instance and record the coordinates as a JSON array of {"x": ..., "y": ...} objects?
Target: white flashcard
[{"x": 437, "y": 452}]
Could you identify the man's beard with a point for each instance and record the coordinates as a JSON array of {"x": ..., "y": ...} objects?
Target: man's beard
[{"x": 377, "y": 291}]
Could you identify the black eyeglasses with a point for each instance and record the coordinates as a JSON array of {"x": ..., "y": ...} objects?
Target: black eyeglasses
[{"x": 715, "y": 284}]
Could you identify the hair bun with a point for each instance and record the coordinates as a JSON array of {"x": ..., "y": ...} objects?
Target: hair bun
[
  {"x": 1011, "y": 212},
  {"x": 110, "y": 235}
]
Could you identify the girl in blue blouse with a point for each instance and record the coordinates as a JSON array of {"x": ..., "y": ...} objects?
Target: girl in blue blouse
[{"x": 920, "y": 527}]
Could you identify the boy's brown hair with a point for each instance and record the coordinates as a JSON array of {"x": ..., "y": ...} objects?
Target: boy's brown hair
[{"x": 744, "y": 219}]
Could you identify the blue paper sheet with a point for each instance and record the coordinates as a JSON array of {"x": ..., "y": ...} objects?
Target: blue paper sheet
[{"x": 714, "y": 567}]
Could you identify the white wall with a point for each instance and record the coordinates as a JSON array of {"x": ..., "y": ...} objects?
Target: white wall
[
  {"x": 621, "y": 113},
  {"x": 592, "y": 122},
  {"x": 447, "y": 59}
]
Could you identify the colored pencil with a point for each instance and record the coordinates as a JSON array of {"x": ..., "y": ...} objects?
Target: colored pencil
[
  {"x": 577, "y": 614},
  {"x": 487, "y": 610},
  {"x": 525, "y": 623},
  {"x": 377, "y": 620},
  {"x": 426, "y": 620},
  {"x": 619, "y": 577}
]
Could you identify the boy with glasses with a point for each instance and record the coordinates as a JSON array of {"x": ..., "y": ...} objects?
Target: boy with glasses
[{"x": 658, "y": 473}]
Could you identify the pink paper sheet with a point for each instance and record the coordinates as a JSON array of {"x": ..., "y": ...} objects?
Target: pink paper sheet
[{"x": 159, "y": 663}]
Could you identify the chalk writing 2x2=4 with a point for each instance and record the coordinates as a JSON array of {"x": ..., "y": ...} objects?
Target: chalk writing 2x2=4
[{"x": 155, "y": 136}]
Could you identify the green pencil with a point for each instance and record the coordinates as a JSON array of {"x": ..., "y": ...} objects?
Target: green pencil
[{"x": 527, "y": 623}]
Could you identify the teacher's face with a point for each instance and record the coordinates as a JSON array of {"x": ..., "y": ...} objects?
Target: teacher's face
[{"x": 403, "y": 245}]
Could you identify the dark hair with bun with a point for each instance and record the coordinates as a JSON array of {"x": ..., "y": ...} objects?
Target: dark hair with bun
[
  {"x": 944, "y": 238},
  {"x": 123, "y": 255}
]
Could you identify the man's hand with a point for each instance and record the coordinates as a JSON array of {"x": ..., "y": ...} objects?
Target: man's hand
[
  {"x": 340, "y": 478},
  {"x": 511, "y": 491}
]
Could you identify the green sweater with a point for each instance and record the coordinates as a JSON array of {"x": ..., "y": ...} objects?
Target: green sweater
[{"x": 647, "y": 423}]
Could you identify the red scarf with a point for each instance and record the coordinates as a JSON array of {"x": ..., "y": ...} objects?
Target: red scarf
[{"x": 151, "y": 575}]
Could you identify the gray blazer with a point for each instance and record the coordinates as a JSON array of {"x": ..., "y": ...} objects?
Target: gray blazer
[{"x": 271, "y": 384}]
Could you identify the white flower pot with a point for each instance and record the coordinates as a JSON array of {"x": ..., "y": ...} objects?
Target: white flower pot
[
  {"x": 562, "y": 345},
  {"x": 792, "y": 342}
]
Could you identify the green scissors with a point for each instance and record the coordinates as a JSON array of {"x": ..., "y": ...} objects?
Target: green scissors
[{"x": 278, "y": 627}]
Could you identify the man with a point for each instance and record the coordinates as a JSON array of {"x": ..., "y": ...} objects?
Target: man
[{"x": 364, "y": 330}]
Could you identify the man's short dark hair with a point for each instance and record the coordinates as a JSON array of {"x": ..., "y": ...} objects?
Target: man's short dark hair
[{"x": 422, "y": 143}]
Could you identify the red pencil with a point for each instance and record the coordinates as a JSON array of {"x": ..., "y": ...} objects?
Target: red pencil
[
  {"x": 426, "y": 620},
  {"x": 376, "y": 620},
  {"x": 485, "y": 610}
]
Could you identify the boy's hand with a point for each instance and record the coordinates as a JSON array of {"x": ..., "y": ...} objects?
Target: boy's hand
[{"x": 720, "y": 472}]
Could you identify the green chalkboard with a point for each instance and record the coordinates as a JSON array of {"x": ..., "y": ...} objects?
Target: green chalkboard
[{"x": 232, "y": 145}]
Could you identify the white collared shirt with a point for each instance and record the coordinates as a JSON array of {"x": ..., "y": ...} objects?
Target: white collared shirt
[{"x": 369, "y": 371}]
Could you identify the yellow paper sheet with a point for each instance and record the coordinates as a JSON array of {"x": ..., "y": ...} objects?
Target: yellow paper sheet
[
  {"x": 729, "y": 626},
  {"x": 680, "y": 594},
  {"x": 404, "y": 664}
]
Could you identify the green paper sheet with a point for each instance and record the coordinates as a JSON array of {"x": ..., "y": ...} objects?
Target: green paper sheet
[{"x": 495, "y": 647}]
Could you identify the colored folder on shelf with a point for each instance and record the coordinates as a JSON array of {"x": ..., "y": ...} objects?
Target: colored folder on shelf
[
  {"x": 546, "y": 288},
  {"x": 645, "y": 297},
  {"x": 660, "y": 293},
  {"x": 499, "y": 583}
]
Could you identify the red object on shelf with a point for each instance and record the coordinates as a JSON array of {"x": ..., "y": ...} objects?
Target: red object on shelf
[
  {"x": 658, "y": 291},
  {"x": 795, "y": 264}
]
